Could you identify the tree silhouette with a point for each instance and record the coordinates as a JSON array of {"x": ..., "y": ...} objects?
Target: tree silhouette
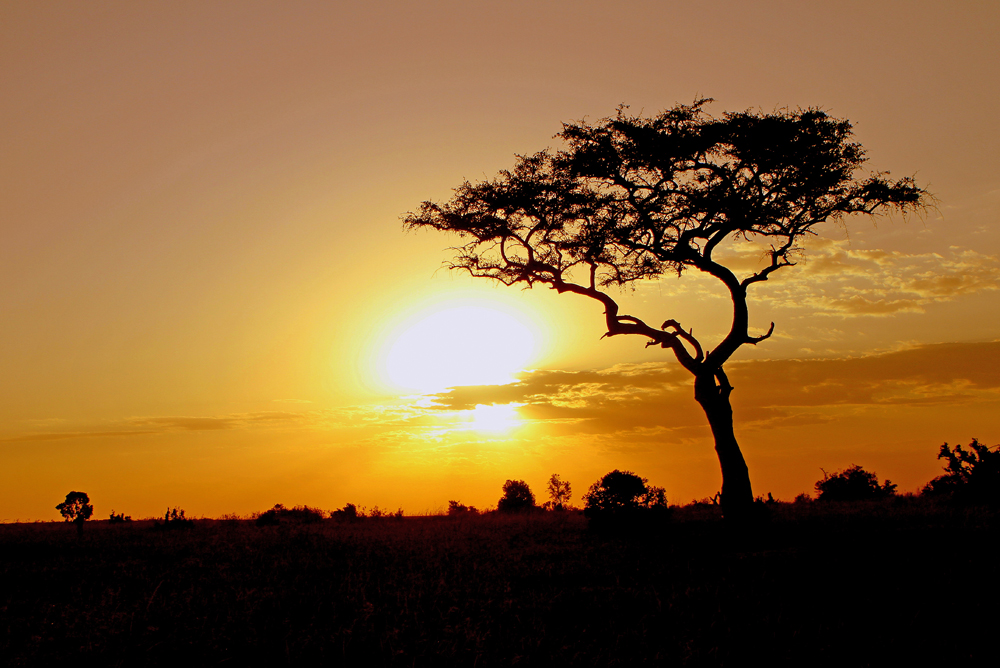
[
  {"x": 517, "y": 497},
  {"x": 76, "y": 508},
  {"x": 560, "y": 493},
  {"x": 853, "y": 484},
  {"x": 632, "y": 198},
  {"x": 621, "y": 496},
  {"x": 970, "y": 475}
]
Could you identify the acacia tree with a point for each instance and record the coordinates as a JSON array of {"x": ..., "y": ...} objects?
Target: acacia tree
[{"x": 631, "y": 198}]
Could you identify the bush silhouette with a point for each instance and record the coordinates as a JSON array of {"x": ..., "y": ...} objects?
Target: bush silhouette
[
  {"x": 174, "y": 519},
  {"x": 349, "y": 513},
  {"x": 300, "y": 514},
  {"x": 971, "y": 475},
  {"x": 378, "y": 513},
  {"x": 120, "y": 518},
  {"x": 622, "y": 496},
  {"x": 76, "y": 508},
  {"x": 456, "y": 508},
  {"x": 853, "y": 484},
  {"x": 517, "y": 497}
]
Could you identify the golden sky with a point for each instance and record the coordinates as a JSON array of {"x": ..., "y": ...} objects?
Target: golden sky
[{"x": 205, "y": 289}]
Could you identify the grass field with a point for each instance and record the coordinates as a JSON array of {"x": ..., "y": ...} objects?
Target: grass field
[{"x": 879, "y": 583}]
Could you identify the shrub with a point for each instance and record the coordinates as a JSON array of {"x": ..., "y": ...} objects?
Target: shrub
[
  {"x": 456, "y": 508},
  {"x": 349, "y": 513},
  {"x": 174, "y": 519},
  {"x": 377, "y": 513},
  {"x": 971, "y": 475},
  {"x": 517, "y": 497},
  {"x": 853, "y": 484},
  {"x": 299, "y": 514},
  {"x": 622, "y": 495},
  {"x": 120, "y": 518}
]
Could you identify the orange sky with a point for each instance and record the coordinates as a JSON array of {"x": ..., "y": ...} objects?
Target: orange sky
[{"x": 202, "y": 266}]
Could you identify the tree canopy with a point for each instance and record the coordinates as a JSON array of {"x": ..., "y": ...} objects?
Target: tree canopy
[
  {"x": 632, "y": 198},
  {"x": 517, "y": 497},
  {"x": 76, "y": 507},
  {"x": 853, "y": 484}
]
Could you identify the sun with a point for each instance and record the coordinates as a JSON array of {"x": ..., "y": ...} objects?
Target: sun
[
  {"x": 459, "y": 344},
  {"x": 495, "y": 418}
]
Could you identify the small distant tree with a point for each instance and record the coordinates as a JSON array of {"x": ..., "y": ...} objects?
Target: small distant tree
[
  {"x": 349, "y": 513},
  {"x": 853, "y": 484},
  {"x": 517, "y": 497},
  {"x": 621, "y": 495},
  {"x": 456, "y": 508},
  {"x": 970, "y": 475},
  {"x": 174, "y": 518},
  {"x": 560, "y": 493},
  {"x": 76, "y": 508},
  {"x": 120, "y": 518}
]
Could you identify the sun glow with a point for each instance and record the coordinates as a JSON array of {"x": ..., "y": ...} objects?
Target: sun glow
[
  {"x": 458, "y": 344},
  {"x": 496, "y": 417}
]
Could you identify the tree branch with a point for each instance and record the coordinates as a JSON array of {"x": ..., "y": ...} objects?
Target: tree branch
[
  {"x": 754, "y": 340},
  {"x": 779, "y": 259}
]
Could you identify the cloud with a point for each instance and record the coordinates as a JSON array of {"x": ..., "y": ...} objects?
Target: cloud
[
  {"x": 66, "y": 435},
  {"x": 656, "y": 400},
  {"x": 151, "y": 425},
  {"x": 834, "y": 279}
]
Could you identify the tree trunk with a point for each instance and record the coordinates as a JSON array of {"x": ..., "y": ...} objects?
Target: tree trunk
[{"x": 737, "y": 495}]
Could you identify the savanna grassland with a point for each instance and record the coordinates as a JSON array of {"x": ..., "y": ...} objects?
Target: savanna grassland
[{"x": 875, "y": 583}]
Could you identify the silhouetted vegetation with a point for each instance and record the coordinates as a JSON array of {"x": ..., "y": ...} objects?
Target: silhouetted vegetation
[
  {"x": 378, "y": 513},
  {"x": 76, "y": 508},
  {"x": 517, "y": 497},
  {"x": 631, "y": 198},
  {"x": 971, "y": 476},
  {"x": 349, "y": 513},
  {"x": 120, "y": 518},
  {"x": 279, "y": 513},
  {"x": 853, "y": 484},
  {"x": 456, "y": 508},
  {"x": 821, "y": 584},
  {"x": 174, "y": 519},
  {"x": 621, "y": 498},
  {"x": 560, "y": 494}
]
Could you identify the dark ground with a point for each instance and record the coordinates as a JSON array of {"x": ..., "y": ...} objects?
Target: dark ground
[{"x": 886, "y": 583}]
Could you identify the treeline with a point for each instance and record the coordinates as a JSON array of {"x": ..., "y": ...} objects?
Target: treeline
[{"x": 971, "y": 476}]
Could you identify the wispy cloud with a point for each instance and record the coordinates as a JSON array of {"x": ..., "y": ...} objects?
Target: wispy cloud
[{"x": 834, "y": 279}]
